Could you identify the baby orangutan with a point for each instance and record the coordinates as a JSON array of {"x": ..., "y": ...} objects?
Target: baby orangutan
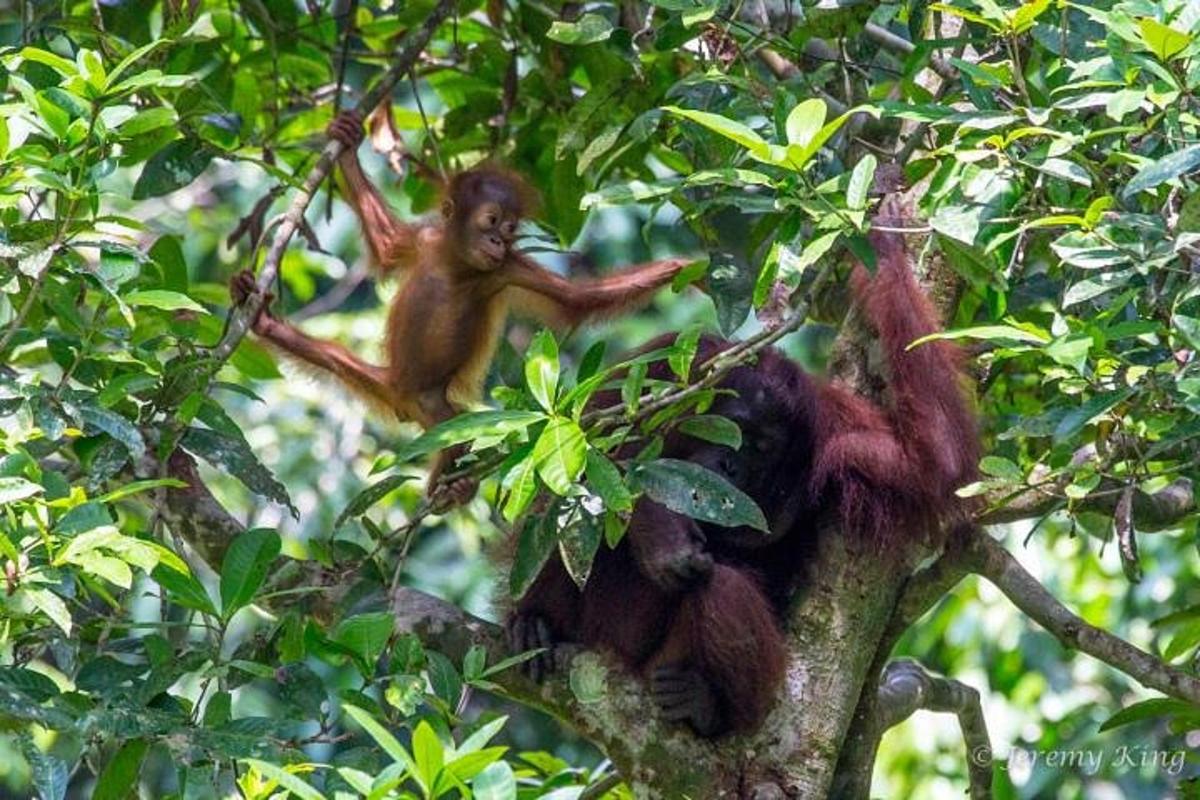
[{"x": 462, "y": 277}]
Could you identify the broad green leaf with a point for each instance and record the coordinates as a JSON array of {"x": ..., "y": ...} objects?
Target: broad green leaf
[
  {"x": 559, "y": 454},
  {"x": 541, "y": 369},
  {"x": 444, "y": 678},
  {"x": 683, "y": 352},
  {"x": 15, "y": 489},
  {"x": 804, "y": 122},
  {"x": 486, "y": 732},
  {"x": 246, "y": 564},
  {"x": 62, "y": 66},
  {"x": 467, "y": 427},
  {"x": 605, "y": 480},
  {"x": 466, "y": 766},
  {"x": 1165, "y": 169},
  {"x": 51, "y": 605},
  {"x": 286, "y": 779},
  {"x": 171, "y": 168},
  {"x": 713, "y": 428},
  {"x": 382, "y": 737},
  {"x": 114, "y": 425},
  {"x": 730, "y": 129},
  {"x": 427, "y": 753},
  {"x": 366, "y": 635},
  {"x": 1145, "y": 709},
  {"x": 497, "y": 782},
  {"x": 50, "y": 774},
  {"x": 234, "y": 456},
  {"x": 163, "y": 299},
  {"x": 861, "y": 180},
  {"x": 1164, "y": 41},
  {"x": 587, "y": 29},
  {"x": 1077, "y": 418},
  {"x": 369, "y": 496},
  {"x": 699, "y": 493},
  {"x": 118, "y": 780},
  {"x": 520, "y": 482},
  {"x": 577, "y": 544},
  {"x": 184, "y": 589},
  {"x": 535, "y": 542}
]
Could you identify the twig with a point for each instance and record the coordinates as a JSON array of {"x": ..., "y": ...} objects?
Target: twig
[
  {"x": 906, "y": 687},
  {"x": 598, "y": 790},
  {"x": 240, "y": 319}
]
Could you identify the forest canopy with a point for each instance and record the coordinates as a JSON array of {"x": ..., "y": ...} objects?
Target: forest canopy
[{"x": 222, "y": 577}]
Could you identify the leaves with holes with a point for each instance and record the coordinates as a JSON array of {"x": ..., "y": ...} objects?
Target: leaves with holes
[{"x": 699, "y": 493}]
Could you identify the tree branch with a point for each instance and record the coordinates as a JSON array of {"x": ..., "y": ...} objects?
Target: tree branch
[
  {"x": 241, "y": 318},
  {"x": 988, "y": 558},
  {"x": 906, "y": 687},
  {"x": 1151, "y": 512}
]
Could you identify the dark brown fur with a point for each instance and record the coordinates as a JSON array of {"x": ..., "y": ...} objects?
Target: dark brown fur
[{"x": 699, "y": 609}]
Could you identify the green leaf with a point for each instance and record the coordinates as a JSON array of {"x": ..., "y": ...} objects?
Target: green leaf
[
  {"x": 381, "y": 736},
  {"x": 683, "y": 352},
  {"x": 119, "y": 778},
  {"x": 1145, "y": 709},
  {"x": 1165, "y": 169},
  {"x": 713, "y": 428},
  {"x": 370, "y": 496},
  {"x": 171, "y": 168},
  {"x": 444, "y": 678},
  {"x": 50, "y": 774},
  {"x": 559, "y": 454},
  {"x": 535, "y": 542},
  {"x": 861, "y": 180},
  {"x": 366, "y": 635},
  {"x": 427, "y": 753},
  {"x": 285, "y": 779},
  {"x": 1163, "y": 41},
  {"x": 149, "y": 120},
  {"x": 467, "y": 427},
  {"x": 730, "y": 129},
  {"x": 605, "y": 480},
  {"x": 166, "y": 300},
  {"x": 115, "y": 426},
  {"x": 497, "y": 782},
  {"x": 254, "y": 361},
  {"x": 466, "y": 766},
  {"x": 541, "y": 369},
  {"x": 699, "y": 493},
  {"x": 62, "y": 66},
  {"x": 184, "y": 589},
  {"x": 1077, "y": 418},
  {"x": 247, "y": 561},
  {"x": 14, "y": 489},
  {"x": 521, "y": 484},
  {"x": 1070, "y": 350},
  {"x": 52, "y": 606},
  {"x": 234, "y": 456},
  {"x": 1001, "y": 334},
  {"x": 587, "y": 29},
  {"x": 578, "y": 544},
  {"x": 804, "y": 121},
  {"x": 137, "y": 487}
]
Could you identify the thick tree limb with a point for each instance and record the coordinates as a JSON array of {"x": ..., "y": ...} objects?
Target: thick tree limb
[
  {"x": 988, "y": 558},
  {"x": 906, "y": 687},
  {"x": 242, "y": 317}
]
